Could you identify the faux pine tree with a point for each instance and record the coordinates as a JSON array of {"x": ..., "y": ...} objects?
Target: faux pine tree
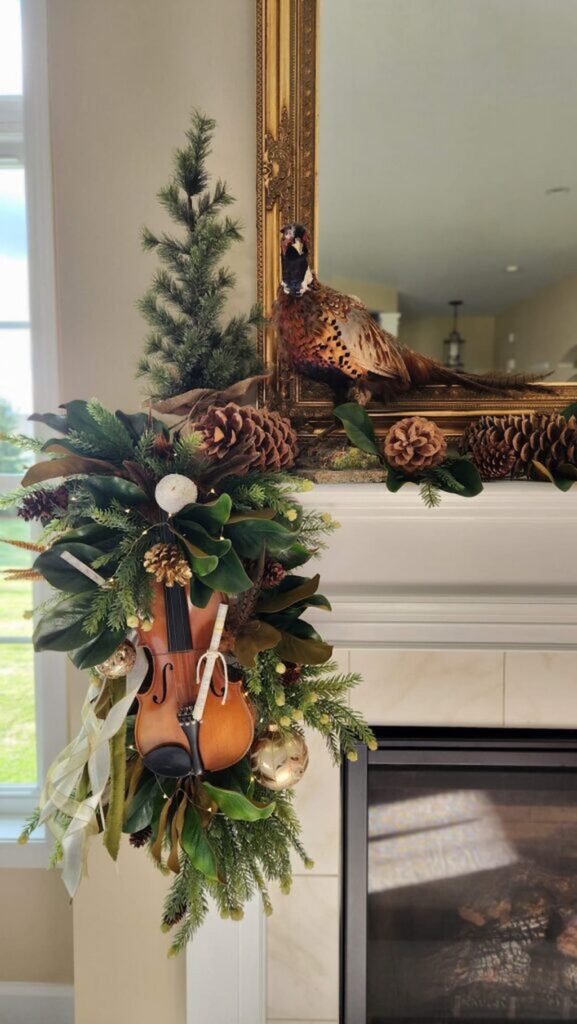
[{"x": 189, "y": 345}]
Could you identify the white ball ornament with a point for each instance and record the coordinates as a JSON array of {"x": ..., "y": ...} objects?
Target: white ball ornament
[{"x": 175, "y": 491}]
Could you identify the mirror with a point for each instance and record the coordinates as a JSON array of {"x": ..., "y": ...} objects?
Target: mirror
[{"x": 447, "y": 171}]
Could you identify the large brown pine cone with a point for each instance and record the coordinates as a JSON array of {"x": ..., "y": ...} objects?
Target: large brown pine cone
[
  {"x": 547, "y": 438},
  {"x": 248, "y": 439},
  {"x": 493, "y": 460},
  {"x": 415, "y": 444}
]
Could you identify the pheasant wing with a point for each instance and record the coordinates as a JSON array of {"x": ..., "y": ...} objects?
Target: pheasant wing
[{"x": 367, "y": 348}]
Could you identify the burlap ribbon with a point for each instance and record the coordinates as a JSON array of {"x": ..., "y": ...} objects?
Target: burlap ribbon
[{"x": 90, "y": 749}]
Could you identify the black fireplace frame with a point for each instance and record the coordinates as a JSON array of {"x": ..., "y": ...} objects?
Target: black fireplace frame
[{"x": 543, "y": 749}]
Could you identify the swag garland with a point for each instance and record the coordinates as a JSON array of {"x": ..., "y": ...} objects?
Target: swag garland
[
  {"x": 131, "y": 507},
  {"x": 531, "y": 446}
]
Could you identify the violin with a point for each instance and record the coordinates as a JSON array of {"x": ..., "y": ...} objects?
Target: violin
[{"x": 169, "y": 739}]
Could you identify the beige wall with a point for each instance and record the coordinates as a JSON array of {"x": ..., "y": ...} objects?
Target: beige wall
[
  {"x": 124, "y": 75},
  {"x": 427, "y": 333},
  {"x": 545, "y": 329},
  {"x": 36, "y": 932}
]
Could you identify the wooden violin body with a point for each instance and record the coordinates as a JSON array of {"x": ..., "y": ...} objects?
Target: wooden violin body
[{"x": 181, "y": 633}]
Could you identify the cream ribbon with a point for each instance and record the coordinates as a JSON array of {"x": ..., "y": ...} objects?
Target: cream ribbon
[{"x": 89, "y": 748}]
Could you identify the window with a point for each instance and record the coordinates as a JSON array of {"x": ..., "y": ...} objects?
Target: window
[
  {"x": 17, "y": 703},
  {"x": 32, "y": 693}
]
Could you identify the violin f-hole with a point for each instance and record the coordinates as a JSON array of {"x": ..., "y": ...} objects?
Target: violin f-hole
[{"x": 160, "y": 700}]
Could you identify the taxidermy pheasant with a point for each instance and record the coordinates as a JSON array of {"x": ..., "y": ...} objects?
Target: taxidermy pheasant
[{"x": 331, "y": 337}]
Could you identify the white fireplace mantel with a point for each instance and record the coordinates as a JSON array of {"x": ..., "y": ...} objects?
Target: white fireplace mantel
[{"x": 497, "y": 571}]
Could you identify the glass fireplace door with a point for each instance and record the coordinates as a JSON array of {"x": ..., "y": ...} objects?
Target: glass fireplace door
[{"x": 469, "y": 871}]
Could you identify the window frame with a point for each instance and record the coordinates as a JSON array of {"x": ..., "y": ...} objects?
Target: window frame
[{"x": 31, "y": 112}]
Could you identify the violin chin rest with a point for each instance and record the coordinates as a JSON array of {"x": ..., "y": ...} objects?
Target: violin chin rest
[{"x": 170, "y": 760}]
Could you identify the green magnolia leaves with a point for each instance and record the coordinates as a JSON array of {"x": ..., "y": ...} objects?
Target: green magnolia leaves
[
  {"x": 563, "y": 479},
  {"x": 194, "y": 841},
  {"x": 61, "y": 628},
  {"x": 98, "y": 649},
  {"x": 358, "y": 427},
  {"x": 61, "y": 574},
  {"x": 139, "y": 813},
  {"x": 211, "y": 516},
  {"x": 238, "y": 806},
  {"x": 68, "y": 465},
  {"x": 249, "y": 536},
  {"x": 292, "y": 590},
  {"x": 106, "y": 489}
]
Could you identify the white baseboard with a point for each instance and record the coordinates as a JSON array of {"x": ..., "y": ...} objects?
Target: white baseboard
[{"x": 27, "y": 1002}]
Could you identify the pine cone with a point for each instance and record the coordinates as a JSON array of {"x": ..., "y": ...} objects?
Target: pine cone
[
  {"x": 494, "y": 460},
  {"x": 248, "y": 439},
  {"x": 43, "y": 504},
  {"x": 141, "y": 837},
  {"x": 292, "y": 674},
  {"x": 547, "y": 438},
  {"x": 167, "y": 564},
  {"x": 414, "y": 444},
  {"x": 162, "y": 447},
  {"x": 274, "y": 573}
]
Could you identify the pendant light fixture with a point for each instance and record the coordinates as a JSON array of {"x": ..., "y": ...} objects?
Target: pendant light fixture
[{"x": 454, "y": 344}]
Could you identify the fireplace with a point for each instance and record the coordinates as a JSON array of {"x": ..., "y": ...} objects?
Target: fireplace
[{"x": 460, "y": 877}]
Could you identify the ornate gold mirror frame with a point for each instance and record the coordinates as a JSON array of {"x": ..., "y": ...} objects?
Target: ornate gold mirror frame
[{"x": 287, "y": 132}]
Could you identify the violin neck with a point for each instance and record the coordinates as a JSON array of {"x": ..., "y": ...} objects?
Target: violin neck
[{"x": 176, "y": 610}]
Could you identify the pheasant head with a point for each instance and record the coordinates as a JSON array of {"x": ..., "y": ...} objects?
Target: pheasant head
[{"x": 297, "y": 276}]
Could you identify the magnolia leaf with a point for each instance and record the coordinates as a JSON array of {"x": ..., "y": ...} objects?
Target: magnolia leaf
[
  {"x": 198, "y": 400},
  {"x": 92, "y": 534},
  {"x": 358, "y": 426},
  {"x": 195, "y": 844},
  {"x": 250, "y": 536},
  {"x": 69, "y": 465},
  {"x": 61, "y": 574},
  {"x": 139, "y": 812},
  {"x": 296, "y": 555},
  {"x": 229, "y": 575},
  {"x": 256, "y": 513},
  {"x": 254, "y": 637},
  {"x": 200, "y": 594},
  {"x": 467, "y": 476},
  {"x": 61, "y": 628},
  {"x": 198, "y": 536},
  {"x": 562, "y": 482},
  {"x": 49, "y": 419},
  {"x": 139, "y": 422},
  {"x": 105, "y": 489},
  {"x": 303, "y": 645},
  {"x": 293, "y": 590},
  {"x": 570, "y": 411},
  {"x": 395, "y": 480},
  {"x": 200, "y": 562},
  {"x": 210, "y": 516},
  {"x": 61, "y": 446},
  {"x": 543, "y": 472},
  {"x": 98, "y": 649},
  {"x": 237, "y": 806}
]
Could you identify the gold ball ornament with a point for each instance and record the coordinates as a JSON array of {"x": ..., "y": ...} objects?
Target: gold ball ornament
[
  {"x": 120, "y": 663},
  {"x": 279, "y": 760}
]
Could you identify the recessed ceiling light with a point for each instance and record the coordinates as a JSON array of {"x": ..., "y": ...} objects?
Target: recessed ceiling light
[
  {"x": 557, "y": 190},
  {"x": 513, "y": 268}
]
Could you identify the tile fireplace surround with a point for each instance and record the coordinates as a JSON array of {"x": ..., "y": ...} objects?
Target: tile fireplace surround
[{"x": 465, "y": 615}]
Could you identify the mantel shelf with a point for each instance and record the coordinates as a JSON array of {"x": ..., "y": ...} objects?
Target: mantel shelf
[{"x": 496, "y": 570}]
